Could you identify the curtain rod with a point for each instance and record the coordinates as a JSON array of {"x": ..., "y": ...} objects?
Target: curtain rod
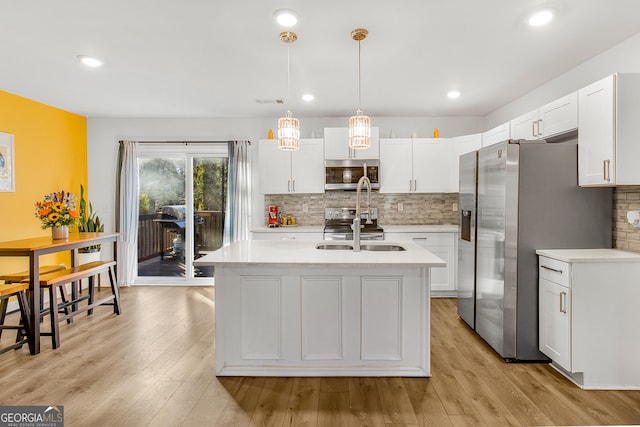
[{"x": 187, "y": 142}]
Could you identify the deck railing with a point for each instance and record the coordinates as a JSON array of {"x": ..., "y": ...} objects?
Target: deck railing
[{"x": 154, "y": 239}]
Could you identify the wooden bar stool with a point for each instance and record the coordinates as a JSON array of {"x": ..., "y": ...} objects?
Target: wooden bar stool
[{"x": 23, "y": 330}]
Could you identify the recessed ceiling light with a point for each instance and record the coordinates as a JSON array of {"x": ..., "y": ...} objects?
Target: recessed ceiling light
[
  {"x": 541, "y": 18},
  {"x": 453, "y": 94},
  {"x": 308, "y": 97},
  {"x": 286, "y": 17},
  {"x": 90, "y": 61}
]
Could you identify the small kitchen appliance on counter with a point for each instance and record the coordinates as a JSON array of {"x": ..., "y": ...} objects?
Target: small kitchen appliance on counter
[
  {"x": 338, "y": 221},
  {"x": 273, "y": 219}
]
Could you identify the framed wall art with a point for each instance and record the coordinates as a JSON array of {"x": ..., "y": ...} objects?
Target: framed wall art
[{"x": 7, "y": 172}]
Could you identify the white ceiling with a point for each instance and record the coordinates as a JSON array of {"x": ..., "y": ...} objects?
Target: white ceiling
[{"x": 208, "y": 58}]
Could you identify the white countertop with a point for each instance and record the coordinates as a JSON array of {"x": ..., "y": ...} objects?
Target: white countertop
[
  {"x": 445, "y": 228},
  {"x": 590, "y": 255},
  {"x": 432, "y": 228},
  {"x": 304, "y": 253}
]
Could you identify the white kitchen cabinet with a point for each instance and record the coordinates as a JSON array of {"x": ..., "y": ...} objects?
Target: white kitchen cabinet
[
  {"x": 588, "y": 315},
  {"x": 462, "y": 145},
  {"x": 497, "y": 134},
  {"x": 551, "y": 119},
  {"x": 415, "y": 165},
  {"x": 555, "y": 312},
  {"x": 336, "y": 145},
  {"x": 608, "y": 149},
  {"x": 283, "y": 172},
  {"x": 442, "y": 245}
]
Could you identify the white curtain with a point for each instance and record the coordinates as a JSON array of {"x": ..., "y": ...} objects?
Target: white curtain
[
  {"x": 237, "y": 216},
  {"x": 127, "y": 211}
]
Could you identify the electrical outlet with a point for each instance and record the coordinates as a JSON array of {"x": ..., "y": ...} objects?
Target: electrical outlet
[
  {"x": 455, "y": 207},
  {"x": 305, "y": 207},
  {"x": 400, "y": 207}
]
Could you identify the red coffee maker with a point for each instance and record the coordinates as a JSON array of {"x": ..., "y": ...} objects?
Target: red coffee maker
[{"x": 273, "y": 217}]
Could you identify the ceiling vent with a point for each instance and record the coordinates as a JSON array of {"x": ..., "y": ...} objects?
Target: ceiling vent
[{"x": 270, "y": 101}]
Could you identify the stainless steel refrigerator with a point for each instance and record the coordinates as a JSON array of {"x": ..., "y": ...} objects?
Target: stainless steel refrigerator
[
  {"x": 466, "y": 279},
  {"x": 528, "y": 198}
]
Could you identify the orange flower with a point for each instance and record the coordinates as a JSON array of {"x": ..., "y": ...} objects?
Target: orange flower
[
  {"x": 44, "y": 212},
  {"x": 74, "y": 214}
]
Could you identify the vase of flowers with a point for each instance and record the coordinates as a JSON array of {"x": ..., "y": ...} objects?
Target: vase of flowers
[{"x": 58, "y": 211}]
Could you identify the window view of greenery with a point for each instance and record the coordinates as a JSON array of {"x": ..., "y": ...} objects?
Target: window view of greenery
[{"x": 162, "y": 220}]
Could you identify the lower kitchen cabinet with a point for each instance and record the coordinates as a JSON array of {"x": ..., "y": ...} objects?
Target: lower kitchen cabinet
[
  {"x": 555, "y": 314},
  {"x": 442, "y": 245},
  {"x": 588, "y": 324}
]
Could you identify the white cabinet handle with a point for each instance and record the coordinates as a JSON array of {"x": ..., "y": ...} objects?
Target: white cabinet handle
[
  {"x": 563, "y": 302},
  {"x": 293, "y": 186},
  {"x": 533, "y": 128},
  {"x": 606, "y": 164},
  {"x": 410, "y": 181},
  {"x": 289, "y": 186},
  {"x": 419, "y": 238},
  {"x": 415, "y": 185},
  {"x": 551, "y": 269},
  {"x": 539, "y": 127}
]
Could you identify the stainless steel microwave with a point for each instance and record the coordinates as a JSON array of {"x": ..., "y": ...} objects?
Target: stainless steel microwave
[{"x": 344, "y": 174}]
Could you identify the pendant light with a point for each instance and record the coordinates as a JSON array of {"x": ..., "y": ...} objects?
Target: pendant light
[
  {"x": 359, "y": 125},
  {"x": 288, "y": 126}
]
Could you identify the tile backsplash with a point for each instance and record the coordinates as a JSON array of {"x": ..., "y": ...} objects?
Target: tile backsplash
[
  {"x": 435, "y": 208},
  {"x": 625, "y": 236},
  {"x": 430, "y": 208}
]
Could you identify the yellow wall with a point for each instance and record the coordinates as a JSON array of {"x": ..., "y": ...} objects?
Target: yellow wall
[{"x": 50, "y": 154}]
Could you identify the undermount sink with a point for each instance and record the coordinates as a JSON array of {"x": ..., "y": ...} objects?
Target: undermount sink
[
  {"x": 334, "y": 246},
  {"x": 382, "y": 248},
  {"x": 364, "y": 247}
]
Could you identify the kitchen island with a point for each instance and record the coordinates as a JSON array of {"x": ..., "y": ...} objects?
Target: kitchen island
[{"x": 287, "y": 308}]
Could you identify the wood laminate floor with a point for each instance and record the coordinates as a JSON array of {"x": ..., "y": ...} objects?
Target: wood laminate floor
[{"x": 154, "y": 366}]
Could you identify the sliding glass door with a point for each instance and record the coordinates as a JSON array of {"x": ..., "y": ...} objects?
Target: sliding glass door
[{"x": 183, "y": 195}]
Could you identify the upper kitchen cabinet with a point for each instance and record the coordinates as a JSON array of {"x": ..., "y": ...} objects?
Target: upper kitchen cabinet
[
  {"x": 551, "y": 119},
  {"x": 608, "y": 149},
  {"x": 497, "y": 134},
  {"x": 284, "y": 172},
  {"x": 415, "y": 165},
  {"x": 462, "y": 145},
  {"x": 336, "y": 145}
]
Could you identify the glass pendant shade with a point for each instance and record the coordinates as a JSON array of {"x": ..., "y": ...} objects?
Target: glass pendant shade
[
  {"x": 359, "y": 131},
  {"x": 288, "y": 133}
]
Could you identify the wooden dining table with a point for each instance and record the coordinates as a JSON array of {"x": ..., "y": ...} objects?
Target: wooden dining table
[{"x": 36, "y": 246}]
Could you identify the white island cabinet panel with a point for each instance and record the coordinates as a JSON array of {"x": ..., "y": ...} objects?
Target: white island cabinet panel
[
  {"x": 382, "y": 318},
  {"x": 261, "y": 317},
  {"x": 322, "y": 318}
]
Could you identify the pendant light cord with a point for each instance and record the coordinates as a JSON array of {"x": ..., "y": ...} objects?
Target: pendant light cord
[
  {"x": 359, "y": 80},
  {"x": 288, "y": 72}
]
